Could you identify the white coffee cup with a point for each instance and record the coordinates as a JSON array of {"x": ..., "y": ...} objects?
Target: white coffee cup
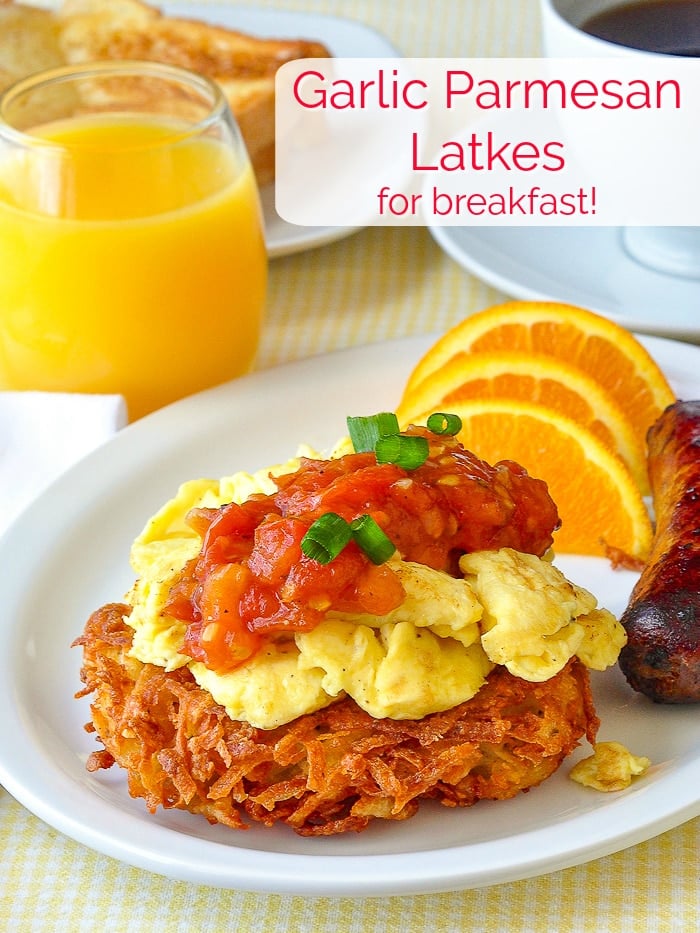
[
  {"x": 564, "y": 37},
  {"x": 673, "y": 250}
]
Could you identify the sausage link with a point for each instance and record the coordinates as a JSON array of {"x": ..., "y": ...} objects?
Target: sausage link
[{"x": 662, "y": 620}]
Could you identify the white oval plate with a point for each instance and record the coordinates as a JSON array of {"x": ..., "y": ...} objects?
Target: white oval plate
[
  {"x": 344, "y": 38},
  {"x": 585, "y": 266},
  {"x": 68, "y": 554}
]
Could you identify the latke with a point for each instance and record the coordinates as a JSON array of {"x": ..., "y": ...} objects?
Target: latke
[{"x": 330, "y": 771}]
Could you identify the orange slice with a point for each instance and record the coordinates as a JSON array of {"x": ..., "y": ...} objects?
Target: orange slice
[
  {"x": 600, "y": 505},
  {"x": 606, "y": 351},
  {"x": 538, "y": 378}
]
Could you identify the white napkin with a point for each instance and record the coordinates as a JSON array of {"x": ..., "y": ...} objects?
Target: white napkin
[{"x": 42, "y": 434}]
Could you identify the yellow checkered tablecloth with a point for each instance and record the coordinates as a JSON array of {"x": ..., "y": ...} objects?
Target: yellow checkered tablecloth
[{"x": 374, "y": 285}]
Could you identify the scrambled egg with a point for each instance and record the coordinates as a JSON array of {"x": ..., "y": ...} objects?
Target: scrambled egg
[
  {"x": 535, "y": 619},
  {"x": 611, "y": 767},
  {"x": 400, "y": 671},
  {"x": 422, "y": 657},
  {"x": 431, "y": 653}
]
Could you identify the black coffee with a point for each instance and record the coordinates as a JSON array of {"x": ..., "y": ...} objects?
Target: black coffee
[{"x": 669, "y": 26}]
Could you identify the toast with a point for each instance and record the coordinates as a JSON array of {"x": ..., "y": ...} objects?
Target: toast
[
  {"x": 243, "y": 65},
  {"x": 29, "y": 41},
  {"x": 94, "y": 30}
]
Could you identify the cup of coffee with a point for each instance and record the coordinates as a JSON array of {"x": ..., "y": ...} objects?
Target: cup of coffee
[
  {"x": 643, "y": 30},
  {"x": 584, "y": 28}
]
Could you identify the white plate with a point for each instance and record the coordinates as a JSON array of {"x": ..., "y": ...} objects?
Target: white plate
[
  {"x": 579, "y": 265},
  {"x": 344, "y": 38},
  {"x": 68, "y": 554}
]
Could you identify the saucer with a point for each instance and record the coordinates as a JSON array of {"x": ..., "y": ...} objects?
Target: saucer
[{"x": 586, "y": 266}]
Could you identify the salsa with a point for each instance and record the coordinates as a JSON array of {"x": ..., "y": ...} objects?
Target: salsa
[{"x": 252, "y": 581}]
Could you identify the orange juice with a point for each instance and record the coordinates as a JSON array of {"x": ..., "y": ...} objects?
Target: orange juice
[{"x": 132, "y": 260}]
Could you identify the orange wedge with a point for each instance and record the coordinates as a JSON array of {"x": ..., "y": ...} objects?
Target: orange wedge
[
  {"x": 607, "y": 352},
  {"x": 538, "y": 378},
  {"x": 600, "y": 505}
]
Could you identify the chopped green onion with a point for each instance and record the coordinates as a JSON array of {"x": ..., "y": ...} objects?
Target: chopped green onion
[
  {"x": 443, "y": 423},
  {"x": 330, "y": 533},
  {"x": 365, "y": 430},
  {"x": 326, "y": 538},
  {"x": 407, "y": 451},
  {"x": 370, "y": 537}
]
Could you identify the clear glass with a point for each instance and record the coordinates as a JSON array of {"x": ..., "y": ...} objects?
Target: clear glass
[{"x": 132, "y": 252}]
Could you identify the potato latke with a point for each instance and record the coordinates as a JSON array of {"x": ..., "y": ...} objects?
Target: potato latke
[{"x": 326, "y": 772}]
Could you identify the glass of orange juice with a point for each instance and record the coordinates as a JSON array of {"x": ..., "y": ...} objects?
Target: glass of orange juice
[{"x": 132, "y": 253}]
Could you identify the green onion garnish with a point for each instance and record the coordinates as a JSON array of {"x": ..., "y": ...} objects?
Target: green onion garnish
[
  {"x": 407, "y": 451},
  {"x": 326, "y": 538},
  {"x": 365, "y": 430},
  {"x": 443, "y": 423},
  {"x": 329, "y": 534},
  {"x": 370, "y": 537}
]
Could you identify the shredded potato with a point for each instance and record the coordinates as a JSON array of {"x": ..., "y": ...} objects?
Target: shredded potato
[{"x": 330, "y": 771}]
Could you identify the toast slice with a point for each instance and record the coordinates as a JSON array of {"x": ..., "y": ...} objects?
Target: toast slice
[
  {"x": 243, "y": 65},
  {"x": 33, "y": 39},
  {"x": 29, "y": 41}
]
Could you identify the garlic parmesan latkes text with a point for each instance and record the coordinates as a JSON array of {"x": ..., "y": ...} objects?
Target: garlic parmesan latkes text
[{"x": 326, "y": 772}]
